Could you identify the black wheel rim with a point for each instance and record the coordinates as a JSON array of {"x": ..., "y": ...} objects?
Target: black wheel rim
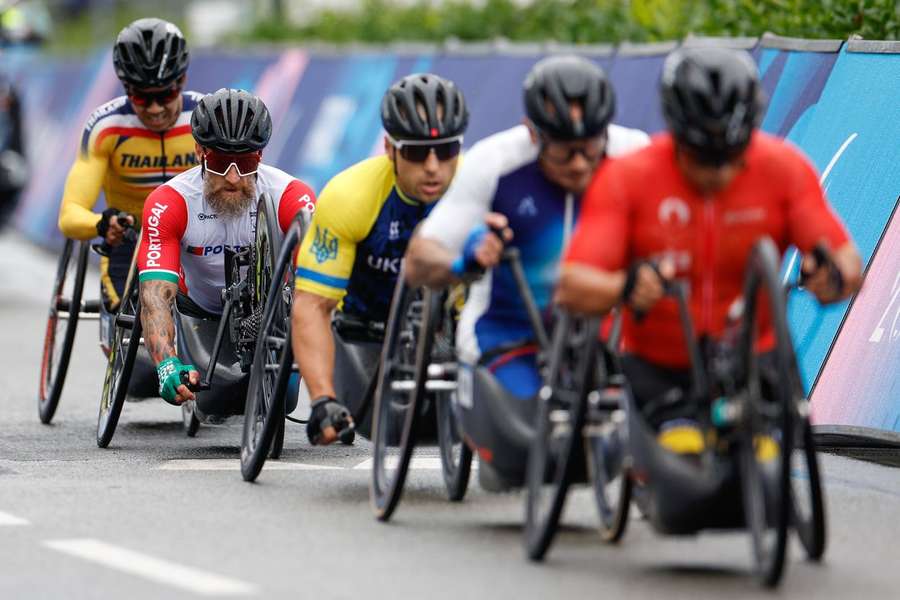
[
  {"x": 396, "y": 402},
  {"x": 765, "y": 426},
  {"x": 807, "y": 496},
  {"x": 126, "y": 342},
  {"x": 560, "y": 417},
  {"x": 272, "y": 357},
  {"x": 62, "y": 322}
]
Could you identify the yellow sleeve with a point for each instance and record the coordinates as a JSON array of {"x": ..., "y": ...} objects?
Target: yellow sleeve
[
  {"x": 344, "y": 214},
  {"x": 76, "y": 217}
]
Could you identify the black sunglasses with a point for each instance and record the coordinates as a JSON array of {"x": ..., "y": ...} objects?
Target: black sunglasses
[
  {"x": 553, "y": 151},
  {"x": 143, "y": 98},
  {"x": 418, "y": 151}
]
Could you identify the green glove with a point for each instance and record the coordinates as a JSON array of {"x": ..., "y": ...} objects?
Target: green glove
[{"x": 169, "y": 372}]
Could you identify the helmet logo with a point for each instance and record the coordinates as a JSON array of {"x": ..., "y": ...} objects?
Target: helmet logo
[{"x": 434, "y": 132}]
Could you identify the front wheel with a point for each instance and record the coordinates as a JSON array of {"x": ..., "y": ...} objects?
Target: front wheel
[
  {"x": 62, "y": 321},
  {"x": 119, "y": 365},
  {"x": 765, "y": 434},
  {"x": 399, "y": 390},
  {"x": 807, "y": 495}
]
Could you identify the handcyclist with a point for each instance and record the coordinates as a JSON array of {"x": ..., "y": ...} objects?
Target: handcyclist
[
  {"x": 365, "y": 217},
  {"x": 190, "y": 222},
  {"x": 691, "y": 206},
  {"x": 130, "y": 145},
  {"x": 526, "y": 184}
]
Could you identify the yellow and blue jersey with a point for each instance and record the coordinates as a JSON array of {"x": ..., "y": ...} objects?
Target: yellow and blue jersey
[{"x": 357, "y": 239}]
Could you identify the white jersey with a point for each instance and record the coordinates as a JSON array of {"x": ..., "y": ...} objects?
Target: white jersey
[
  {"x": 184, "y": 240},
  {"x": 501, "y": 174}
]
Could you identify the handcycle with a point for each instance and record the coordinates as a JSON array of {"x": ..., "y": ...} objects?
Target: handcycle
[
  {"x": 221, "y": 346},
  {"x": 67, "y": 307},
  {"x": 358, "y": 345},
  {"x": 756, "y": 430},
  {"x": 420, "y": 374}
]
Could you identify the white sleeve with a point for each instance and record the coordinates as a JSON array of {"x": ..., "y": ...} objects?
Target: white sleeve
[{"x": 466, "y": 202}]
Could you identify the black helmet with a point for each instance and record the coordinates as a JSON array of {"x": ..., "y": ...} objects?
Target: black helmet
[
  {"x": 231, "y": 121},
  {"x": 401, "y": 118},
  {"x": 712, "y": 101},
  {"x": 554, "y": 82},
  {"x": 150, "y": 53}
]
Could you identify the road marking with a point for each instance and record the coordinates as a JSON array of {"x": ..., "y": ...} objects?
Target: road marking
[
  {"x": 154, "y": 569},
  {"x": 12, "y": 520},
  {"x": 418, "y": 463},
  {"x": 233, "y": 464}
]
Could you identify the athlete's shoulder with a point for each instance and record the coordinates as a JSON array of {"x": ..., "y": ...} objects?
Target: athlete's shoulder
[
  {"x": 188, "y": 184},
  {"x": 623, "y": 140},
  {"x": 776, "y": 157},
  {"x": 117, "y": 112},
  {"x": 115, "y": 107},
  {"x": 369, "y": 180},
  {"x": 502, "y": 152}
]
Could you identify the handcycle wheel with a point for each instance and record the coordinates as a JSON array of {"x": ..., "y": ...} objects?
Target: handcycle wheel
[
  {"x": 62, "y": 321},
  {"x": 558, "y": 427},
  {"x": 189, "y": 417},
  {"x": 610, "y": 479},
  {"x": 273, "y": 358},
  {"x": 456, "y": 456},
  {"x": 399, "y": 391},
  {"x": 807, "y": 494},
  {"x": 126, "y": 341},
  {"x": 766, "y": 431}
]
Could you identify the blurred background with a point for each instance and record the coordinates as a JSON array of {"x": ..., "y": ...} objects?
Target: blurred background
[{"x": 70, "y": 25}]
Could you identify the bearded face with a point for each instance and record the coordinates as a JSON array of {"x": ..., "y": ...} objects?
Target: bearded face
[{"x": 229, "y": 196}]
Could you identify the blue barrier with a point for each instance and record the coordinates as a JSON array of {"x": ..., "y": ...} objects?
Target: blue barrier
[{"x": 835, "y": 102}]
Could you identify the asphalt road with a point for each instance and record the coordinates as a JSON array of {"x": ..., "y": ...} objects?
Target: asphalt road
[{"x": 159, "y": 515}]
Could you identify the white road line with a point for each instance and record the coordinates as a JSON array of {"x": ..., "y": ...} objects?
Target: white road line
[
  {"x": 8, "y": 519},
  {"x": 233, "y": 464},
  {"x": 161, "y": 571},
  {"x": 418, "y": 463}
]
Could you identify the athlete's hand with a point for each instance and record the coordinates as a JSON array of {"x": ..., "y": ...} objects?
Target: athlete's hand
[
  {"x": 171, "y": 387},
  {"x": 490, "y": 249},
  {"x": 115, "y": 233},
  {"x": 649, "y": 285},
  {"x": 837, "y": 278}
]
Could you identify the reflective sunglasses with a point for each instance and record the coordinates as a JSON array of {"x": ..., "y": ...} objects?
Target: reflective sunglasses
[
  {"x": 562, "y": 154},
  {"x": 218, "y": 163},
  {"x": 417, "y": 151},
  {"x": 143, "y": 98}
]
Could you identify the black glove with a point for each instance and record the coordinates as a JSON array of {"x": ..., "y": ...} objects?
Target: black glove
[{"x": 103, "y": 223}]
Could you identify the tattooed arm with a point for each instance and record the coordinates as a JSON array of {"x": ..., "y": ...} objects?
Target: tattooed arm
[{"x": 157, "y": 297}]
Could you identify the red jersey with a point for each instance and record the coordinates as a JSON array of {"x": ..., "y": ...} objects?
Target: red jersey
[{"x": 641, "y": 207}]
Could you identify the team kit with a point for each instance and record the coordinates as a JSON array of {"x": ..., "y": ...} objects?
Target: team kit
[{"x": 566, "y": 302}]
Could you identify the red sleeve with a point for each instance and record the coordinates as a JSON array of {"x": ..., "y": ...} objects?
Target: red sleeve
[
  {"x": 163, "y": 224},
  {"x": 810, "y": 216},
  {"x": 297, "y": 196},
  {"x": 600, "y": 236}
]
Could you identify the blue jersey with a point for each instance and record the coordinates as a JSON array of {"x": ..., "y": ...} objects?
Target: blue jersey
[{"x": 501, "y": 174}]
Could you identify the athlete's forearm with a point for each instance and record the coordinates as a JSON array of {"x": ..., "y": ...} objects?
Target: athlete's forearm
[
  {"x": 427, "y": 262},
  {"x": 157, "y": 297},
  {"x": 77, "y": 222},
  {"x": 586, "y": 290},
  {"x": 313, "y": 343}
]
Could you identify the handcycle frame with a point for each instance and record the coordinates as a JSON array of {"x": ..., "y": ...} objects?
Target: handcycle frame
[
  {"x": 685, "y": 497},
  {"x": 432, "y": 384},
  {"x": 127, "y": 319}
]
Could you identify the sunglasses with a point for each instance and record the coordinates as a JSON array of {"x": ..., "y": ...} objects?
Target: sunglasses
[
  {"x": 560, "y": 154},
  {"x": 143, "y": 98},
  {"x": 218, "y": 163},
  {"x": 419, "y": 150}
]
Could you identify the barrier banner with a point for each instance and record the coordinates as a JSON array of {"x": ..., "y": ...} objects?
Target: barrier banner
[{"x": 859, "y": 390}]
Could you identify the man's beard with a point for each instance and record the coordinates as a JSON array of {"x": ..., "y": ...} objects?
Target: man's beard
[{"x": 229, "y": 207}]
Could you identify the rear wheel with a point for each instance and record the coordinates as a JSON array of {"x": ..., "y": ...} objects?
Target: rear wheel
[
  {"x": 273, "y": 359},
  {"x": 807, "y": 494},
  {"x": 189, "y": 418},
  {"x": 765, "y": 423},
  {"x": 62, "y": 321},
  {"x": 126, "y": 341},
  {"x": 560, "y": 418},
  {"x": 400, "y": 387}
]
